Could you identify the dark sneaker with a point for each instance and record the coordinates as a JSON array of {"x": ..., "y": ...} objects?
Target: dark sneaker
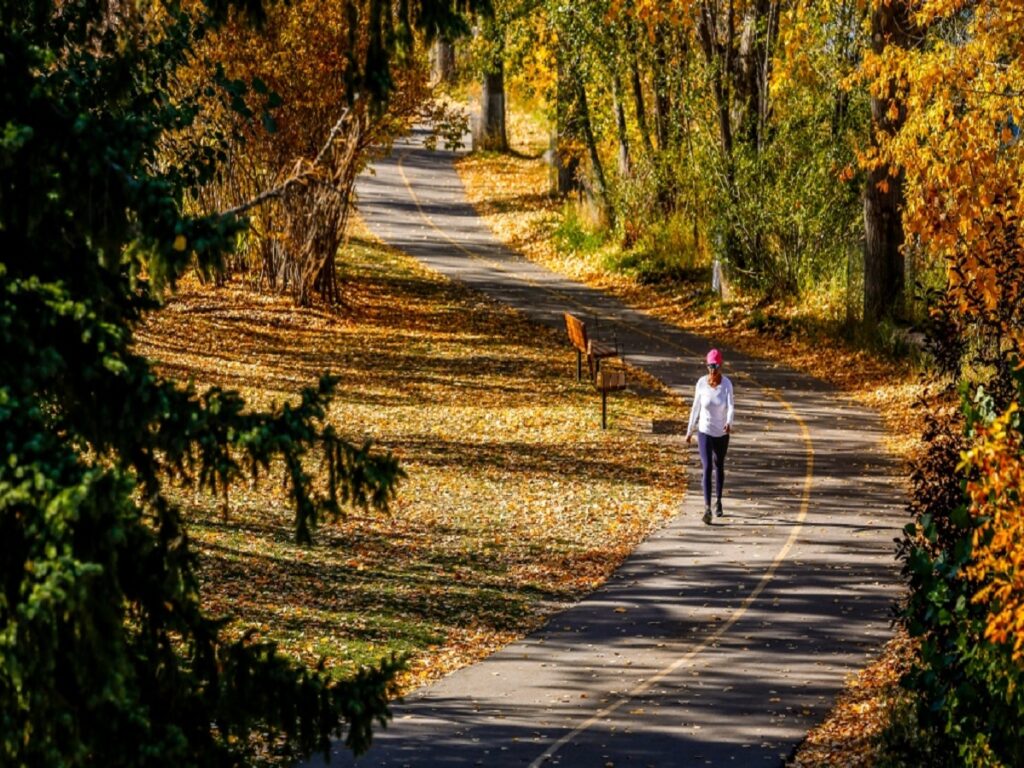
[
  {"x": 707, "y": 515},
  {"x": 718, "y": 509}
]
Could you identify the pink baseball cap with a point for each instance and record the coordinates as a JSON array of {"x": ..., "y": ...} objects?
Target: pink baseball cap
[{"x": 714, "y": 357}]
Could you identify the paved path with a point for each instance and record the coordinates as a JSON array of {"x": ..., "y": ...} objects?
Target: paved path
[{"x": 712, "y": 645}]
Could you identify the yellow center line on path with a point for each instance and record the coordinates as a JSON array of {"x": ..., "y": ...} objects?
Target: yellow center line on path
[{"x": 646, "y": 684}]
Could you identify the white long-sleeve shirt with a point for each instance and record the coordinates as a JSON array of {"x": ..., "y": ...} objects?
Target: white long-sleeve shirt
[{"x": 712, "y": 408}]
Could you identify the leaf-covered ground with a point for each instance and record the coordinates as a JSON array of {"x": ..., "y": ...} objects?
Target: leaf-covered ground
[
  {"x": 515, "y": 502},
  {"x": 511, "y": 193}
]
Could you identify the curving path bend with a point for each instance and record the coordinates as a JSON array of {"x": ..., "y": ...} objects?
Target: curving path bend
[{"x": 712, "y": 645}]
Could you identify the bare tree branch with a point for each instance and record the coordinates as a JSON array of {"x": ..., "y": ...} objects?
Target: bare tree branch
[{"x": 299, "y": 175}]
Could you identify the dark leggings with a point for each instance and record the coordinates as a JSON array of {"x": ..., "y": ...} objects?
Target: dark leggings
[{"x": 712, "y": 453}]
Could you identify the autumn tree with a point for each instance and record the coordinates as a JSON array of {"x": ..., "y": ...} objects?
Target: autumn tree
[
  {"x": 578, "y": 31},
  {"x": 892, "y": 25},
  {"x": 323, "y": 110},
  {"x": 490, "y": 57},
  {"x": 957, "y": 147},
  {"x": 107, "y": 657}
]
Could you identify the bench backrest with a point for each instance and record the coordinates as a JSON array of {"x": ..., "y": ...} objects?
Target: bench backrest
[{"x": 577, "y": 330}]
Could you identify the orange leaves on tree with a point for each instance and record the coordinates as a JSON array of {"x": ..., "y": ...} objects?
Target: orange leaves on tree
[
  {"x": 960, "y": 142},
  {"x": 962, "y": 158},
  {"x": 995, "y": 495}
]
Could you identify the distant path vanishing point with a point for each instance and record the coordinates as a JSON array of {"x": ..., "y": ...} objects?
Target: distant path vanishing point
[{"x": 712, "y": 645}]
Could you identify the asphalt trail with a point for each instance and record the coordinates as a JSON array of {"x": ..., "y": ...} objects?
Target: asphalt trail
[{"x": 712, "y": 645}]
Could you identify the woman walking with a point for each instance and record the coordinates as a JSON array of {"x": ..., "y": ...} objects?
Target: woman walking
[{"x": 711, "y": 415}]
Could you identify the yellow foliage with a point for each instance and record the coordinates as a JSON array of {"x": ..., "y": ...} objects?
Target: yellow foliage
[
  {"x": 995, "y": 494},
  {"x": 962, "y": 157},
  {"x": 959, "y": 148}
]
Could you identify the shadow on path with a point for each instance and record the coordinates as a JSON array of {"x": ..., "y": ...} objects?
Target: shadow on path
[{"x": 711, "y": 645}]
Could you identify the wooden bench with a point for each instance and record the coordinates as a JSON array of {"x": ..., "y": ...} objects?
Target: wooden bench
[{"x": 595, "y": 350}]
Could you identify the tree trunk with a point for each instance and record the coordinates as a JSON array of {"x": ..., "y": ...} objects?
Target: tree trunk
[
  {"x": 754, "y": 59},
  {"x": 718, "y": 54},
  {"x": 891, "y": 24},
  {"x": 600, "y": 185},
  {"x": 620, "y": 125},
  {"x": 662, "y": 95},
  {"x": 442, "y": 62},
  {"x": 638, "y": 103},
  {"x": 567, "y": 156},
  {"x": 492, "y": 111},
  {"x": 883, "y": 244}
]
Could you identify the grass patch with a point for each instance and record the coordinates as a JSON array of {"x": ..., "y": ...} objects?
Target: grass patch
[
  {"x": 571, "y": 234},
  {"x": 876, "y": 368},
  {"x": 516, "y": 501}
]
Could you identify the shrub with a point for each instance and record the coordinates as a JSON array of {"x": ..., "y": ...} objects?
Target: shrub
[{"x": 966, "y": 681}]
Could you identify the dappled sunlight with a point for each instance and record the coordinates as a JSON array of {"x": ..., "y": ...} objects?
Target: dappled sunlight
[
  {"x": 515, "y": 501},
  {"x": 506, "y": 190}
]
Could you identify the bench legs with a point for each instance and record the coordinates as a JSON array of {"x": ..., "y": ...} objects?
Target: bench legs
[{"x": 579, "y": 365}]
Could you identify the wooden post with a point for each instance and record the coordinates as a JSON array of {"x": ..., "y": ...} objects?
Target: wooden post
[{"x": 608, "y": 381}]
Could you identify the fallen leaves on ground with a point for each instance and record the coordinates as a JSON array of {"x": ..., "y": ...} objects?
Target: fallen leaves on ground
[
  {"x": 849, "y": 737},
  {"x": 516, "y": 501},
  {"x": 510, "y": 193}
]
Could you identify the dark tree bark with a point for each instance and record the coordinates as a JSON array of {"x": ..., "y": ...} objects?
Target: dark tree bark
[
  {"x": 638, "y": 105},
  {"x": 757, "y": 40},
  {"x": 492, "y": 111},
  {"x": 567, "y": 156},
  {"x": 891, "y": 24},
  {"x": 620, "y": 125},
  {"x": 883, "y": 244},
  {"x": 662, "y": 93}
]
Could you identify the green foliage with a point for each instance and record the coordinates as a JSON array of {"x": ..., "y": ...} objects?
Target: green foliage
[
  {"x": 967, "y": 694},
  {"x": 664, "y": 255},
  {"x": 784, "y": 220},
  {"x": 906, "y": 743},
  {"x": 106, "y": 657},
  {"x": 660, "y": 207},
  {"x": 573, "y": 235}
]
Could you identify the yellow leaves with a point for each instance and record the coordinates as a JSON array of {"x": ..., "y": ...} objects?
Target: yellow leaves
[
  {"x": 513, "y": 493},
  {"x": 962, "y": 164},
  {"x": 180, "y": 243},
  {"x": 849, "y": 737},
  {"x": 995, "y": 461}
]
